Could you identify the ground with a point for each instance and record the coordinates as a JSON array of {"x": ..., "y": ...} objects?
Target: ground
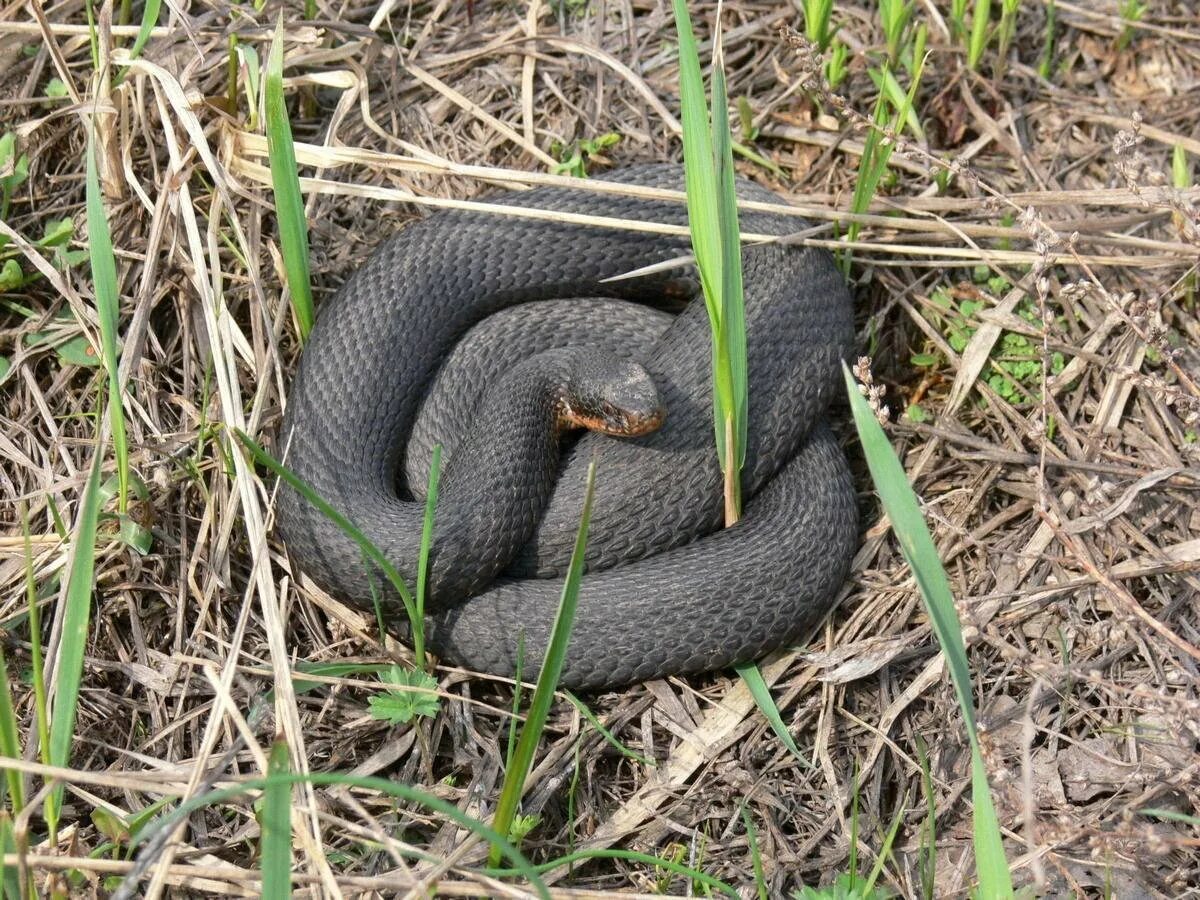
[{"x": 1025, "y": 287}]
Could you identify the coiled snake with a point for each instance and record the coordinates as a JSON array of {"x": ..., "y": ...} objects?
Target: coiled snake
[{"x": 667, "y": 591}]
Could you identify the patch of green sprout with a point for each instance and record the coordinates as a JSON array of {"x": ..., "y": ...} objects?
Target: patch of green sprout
[
  {"x": 1014, "y": 370},
  {"x": 895, "y": 16},
  {"x": 1132, "y": 12},
  {"x": 411, "y": 693},
  {"x": 978, "y": 40},
  {"x": 1006, "y": 32},
  {"x": 816, "y": 22},
  {"x": 574, "y": 157}
]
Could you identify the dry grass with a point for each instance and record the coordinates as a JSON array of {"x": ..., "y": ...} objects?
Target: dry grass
[{"x": 1075, "y": 557}]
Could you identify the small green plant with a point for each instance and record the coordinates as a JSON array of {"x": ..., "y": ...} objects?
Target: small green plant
[
  {"x": 877, "y": 150},
  {"x": 816, "y": 22},
  {"x": 980, "y": 25},
  {"x": 411, "y": 693},
  {"x": 837, "y": 65},
  {"x": 958, "y": 19},
  {"x": 1006, "y": 32},
  {"x": 894, "y": 16},
  {"x": 1132, "y": 12},
  {"x": 575, "y": 157},
  {"x": 1014, "y": 370}
]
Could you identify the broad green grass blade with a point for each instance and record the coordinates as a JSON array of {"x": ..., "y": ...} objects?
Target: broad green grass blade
[
  {"x": 752, "y": 675},
  {"x": 980, "y": 23},
  {"x": 900, "y": 504},
  {"x": 285, "y": 180},
  {"x": 552, "y": 665},
  {"x": 149, "y": 20},
  {"x": 369, "y": 550},
  {"x": 732, "y": 355},
  {"x": 700, "y": 177},
  {"x": 108, "y": 306},
  {"x": 404, "y": 792},
  {"x": 71, "y": 648},
  {"x": 277, "y": 827}
]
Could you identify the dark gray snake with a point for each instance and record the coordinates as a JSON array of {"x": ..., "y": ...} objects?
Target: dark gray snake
[{"x": 667, "y": 591}]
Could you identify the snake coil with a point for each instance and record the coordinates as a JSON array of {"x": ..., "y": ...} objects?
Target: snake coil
[{"x": 667, "y": 591}]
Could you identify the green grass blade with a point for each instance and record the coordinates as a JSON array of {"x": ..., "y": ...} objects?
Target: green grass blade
[
  {"x": 285, "y": 180},
  {"x": 754, "y": 680},
  {"x": 733, "y": 313},
  {"x": 149, "y": 20},
  {"x": 760, "y": 880},
  {"x": 431, "y": 496},
  {"x": 605, "y": 733},
  {"x": 108, "y": 307},
  {"x": 700, "y": 177},
  {"x": 71, "y": 648},
  {"x": 900, "y": 504},
  {"x": 276, "y": 822},
  {"x": 369, "y": 550},
  {"x": 10, "y": 739},
  {"x": 980, "y": 22},
  {"x": 543, "y": 692}
]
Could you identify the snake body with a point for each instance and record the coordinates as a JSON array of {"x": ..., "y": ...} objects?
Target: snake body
[{"x": 667, "y": 591}]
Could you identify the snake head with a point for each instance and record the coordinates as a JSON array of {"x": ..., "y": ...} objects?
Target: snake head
[{"x": 610, "y": 395}]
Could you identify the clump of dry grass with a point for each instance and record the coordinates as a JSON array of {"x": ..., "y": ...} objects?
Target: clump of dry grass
[{"x": 1063, "y": 501}]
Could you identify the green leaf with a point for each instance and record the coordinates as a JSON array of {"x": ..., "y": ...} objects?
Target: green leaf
[
  {"x": 916, "y": 544},
  {"x": 56, "y": 232},
  {"x": 285, "y": 181},
  {"x": 925, "y": 360},
  {"x": 914, "y": 413},
  {"x": 752, "y": 676},
  {"x": 5, "y": 367},
  {"x": 413, "y": 699},
  {"x": 108, "y": 306},
  {"x": 134, "y": 536},
  {"x": 77, "y": 351},
  {"x": 56, "y": 89},
  {"x": 732, "y": 354},
  {"x": 149, "y": 20},
  {"x": 111, "y": 826},
  {"x": 74, "y": 640},
  {"x": 552, "y": 665},
  {"x": 11, "y": 276},
  {"x": 331, "y": 670},
  {"x": 276, "y": 823}
]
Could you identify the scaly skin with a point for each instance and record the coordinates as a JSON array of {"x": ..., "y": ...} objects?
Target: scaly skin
[{"x": 666, "y": 591}]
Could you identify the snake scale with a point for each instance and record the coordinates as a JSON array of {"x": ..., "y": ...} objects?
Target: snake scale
[{"x": 403, "y": 353}]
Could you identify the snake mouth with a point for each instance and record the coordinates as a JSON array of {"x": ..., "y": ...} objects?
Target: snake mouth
[{"x": 612, "y": 421}]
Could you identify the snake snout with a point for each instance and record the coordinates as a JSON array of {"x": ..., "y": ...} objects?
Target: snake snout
[{"x": 613, "y": 396}]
